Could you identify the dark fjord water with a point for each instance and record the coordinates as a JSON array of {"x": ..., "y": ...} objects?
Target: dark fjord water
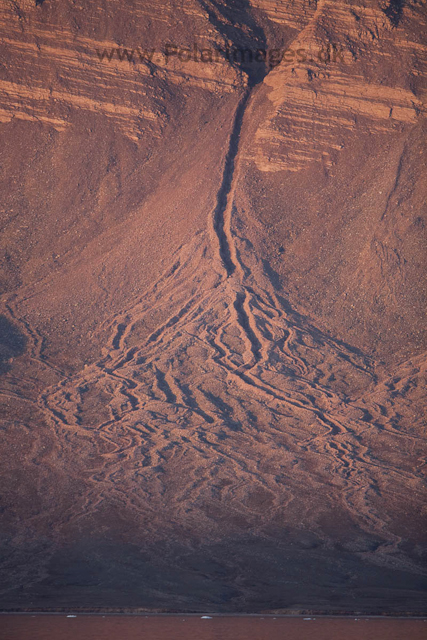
[{"x": 171, "y": 627}]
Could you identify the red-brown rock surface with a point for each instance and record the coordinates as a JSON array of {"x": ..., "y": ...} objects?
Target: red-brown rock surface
[{"x": 212, "y": 349}]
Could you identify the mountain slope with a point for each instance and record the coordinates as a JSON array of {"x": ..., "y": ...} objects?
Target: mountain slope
[{"x": 213, "y": 369}]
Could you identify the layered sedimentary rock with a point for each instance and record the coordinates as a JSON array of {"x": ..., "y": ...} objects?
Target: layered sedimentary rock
[
  {"x": 54, "y": 68},
  {"x": 340, "y": 75}
]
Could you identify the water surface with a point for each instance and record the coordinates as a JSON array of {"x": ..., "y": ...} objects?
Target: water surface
[{"x": 171, "y": 627}]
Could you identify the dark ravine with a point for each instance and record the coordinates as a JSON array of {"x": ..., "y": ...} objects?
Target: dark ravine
[{"x": 224, "y": 191}]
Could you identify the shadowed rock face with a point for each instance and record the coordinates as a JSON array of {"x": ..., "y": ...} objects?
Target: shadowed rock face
[
  {"x": 212, "y": 351},
  {"x": 12, "y": 343}
]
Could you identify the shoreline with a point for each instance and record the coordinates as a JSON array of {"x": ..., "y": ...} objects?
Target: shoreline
[{"x": 140, "y": 612}]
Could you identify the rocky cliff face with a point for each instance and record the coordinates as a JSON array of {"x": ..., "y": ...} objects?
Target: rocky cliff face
[{"x": 212, "y": 276}]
